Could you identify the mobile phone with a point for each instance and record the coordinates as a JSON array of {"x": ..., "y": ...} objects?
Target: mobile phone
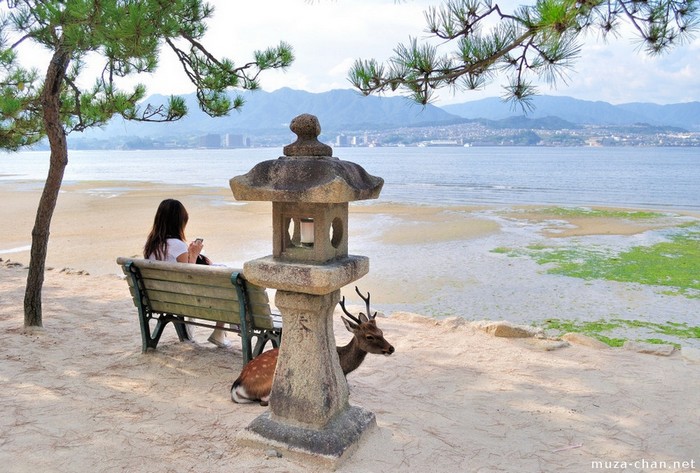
[{"x": 199, "y": 240}]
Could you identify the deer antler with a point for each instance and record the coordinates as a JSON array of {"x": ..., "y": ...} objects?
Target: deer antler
[
  {"x": 352, "y": 317},
  {"x": 366, "y": 299}
]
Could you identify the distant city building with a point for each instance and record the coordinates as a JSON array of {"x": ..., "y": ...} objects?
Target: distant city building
[
  {"x": 234, "y": 141},
  {"x": 342, "y": 140},
  {"x": 210, "y": 141}
]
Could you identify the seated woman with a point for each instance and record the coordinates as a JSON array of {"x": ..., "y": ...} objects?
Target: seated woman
[{"x": 166, "y": 242}]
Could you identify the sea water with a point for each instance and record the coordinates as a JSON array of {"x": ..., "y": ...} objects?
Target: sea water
[{"x": 658, "y": 177}]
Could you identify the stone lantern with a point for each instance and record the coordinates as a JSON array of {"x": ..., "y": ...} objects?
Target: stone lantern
[{"x": 309, "y": 190}]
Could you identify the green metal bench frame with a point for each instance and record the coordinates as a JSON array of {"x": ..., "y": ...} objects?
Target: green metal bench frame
[{"x": 187, "y": 294}]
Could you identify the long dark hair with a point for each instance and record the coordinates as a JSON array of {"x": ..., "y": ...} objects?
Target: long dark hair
[{"x": 169, "y": 222}]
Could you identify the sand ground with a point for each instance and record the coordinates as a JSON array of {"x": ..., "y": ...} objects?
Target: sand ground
[
  {"x": 80, "y": 396},
  {"x": 436, "y": 261}
]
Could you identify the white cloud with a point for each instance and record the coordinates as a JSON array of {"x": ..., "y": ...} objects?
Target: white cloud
[
  {"x": 619, "y": 72},
  {"x": 328, "y": 35}
]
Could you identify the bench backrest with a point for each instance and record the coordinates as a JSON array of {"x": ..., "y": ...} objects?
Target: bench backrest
[{"x": 214, "y": 293}]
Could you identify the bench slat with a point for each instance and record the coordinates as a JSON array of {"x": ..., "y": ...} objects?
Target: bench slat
[
  {"x": 156, "y": 297},
  {"x": 257, "y": 295},
  {"x": 197, "y": 312},
  {"x": 203, "y": 290},
  {"x": 266, "y": 322},
  {"x": 215, "y": 280},
  {"x": 261, "y": 310}
]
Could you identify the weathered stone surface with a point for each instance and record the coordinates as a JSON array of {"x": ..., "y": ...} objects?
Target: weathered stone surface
[
  {"x": 306, "y": 179},
  {"x": 306, "y": 278},
  {"x": 330, "y": 445},
  {"x": 309, "y": 388},
  {"x": 307, "y": 128},
  {"x": 584, "y": 340},
  {"x": 330, "y": 223},
  {"x": 508, "y": 330},
  {"x": 307, "y": 173},
  {"x": 649, "y": 348}
]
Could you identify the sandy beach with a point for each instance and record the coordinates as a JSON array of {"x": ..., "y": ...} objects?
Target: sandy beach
[{"x": 80, "y": 396}]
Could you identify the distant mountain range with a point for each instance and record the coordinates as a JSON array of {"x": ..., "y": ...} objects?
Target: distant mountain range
[
  {"x": 583, "y": 112},
  {"x": 271, "y": 112},
  {"x": 346, "y": 111}
]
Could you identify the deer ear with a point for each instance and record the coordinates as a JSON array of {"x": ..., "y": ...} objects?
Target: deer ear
[
  {"x": 349, "y": 325},
  {"x": 363, "y": 318}
]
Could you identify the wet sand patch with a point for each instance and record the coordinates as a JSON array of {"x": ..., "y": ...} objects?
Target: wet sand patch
[{"x": 556, "y": 222}]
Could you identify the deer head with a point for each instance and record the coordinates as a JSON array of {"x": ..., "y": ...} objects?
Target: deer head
[
  {"x": 368, "y": 338},
  {"x": 255, "y": 381}
]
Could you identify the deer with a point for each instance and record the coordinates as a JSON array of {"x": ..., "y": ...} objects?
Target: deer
[{"x": 255, "y": 381}]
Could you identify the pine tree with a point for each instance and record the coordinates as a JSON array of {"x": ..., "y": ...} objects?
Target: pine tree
[{"x": 126, "y": 37}]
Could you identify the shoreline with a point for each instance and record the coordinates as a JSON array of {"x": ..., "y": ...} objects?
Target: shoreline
[
  {"x": 409, "y": 224},
  {"x": 434, "y": 260}
]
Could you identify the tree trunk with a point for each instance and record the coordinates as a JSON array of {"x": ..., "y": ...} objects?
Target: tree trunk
[{"x": 51, "y": 104}]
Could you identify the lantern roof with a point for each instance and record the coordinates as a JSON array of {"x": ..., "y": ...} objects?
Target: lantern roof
[{"x": 306, "y": 173}]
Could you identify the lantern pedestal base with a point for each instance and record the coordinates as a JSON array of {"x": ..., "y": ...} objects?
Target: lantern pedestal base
[{"x": 330, "y": 445}]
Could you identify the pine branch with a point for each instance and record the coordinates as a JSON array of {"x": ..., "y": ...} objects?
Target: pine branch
[{"x": 537, "y": 40}]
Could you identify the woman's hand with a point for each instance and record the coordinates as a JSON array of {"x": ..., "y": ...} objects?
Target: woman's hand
[{"x": 194, "y": 249}]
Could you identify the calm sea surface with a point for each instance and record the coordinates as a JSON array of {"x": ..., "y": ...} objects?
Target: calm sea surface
[{"x": 624, "y": 177}]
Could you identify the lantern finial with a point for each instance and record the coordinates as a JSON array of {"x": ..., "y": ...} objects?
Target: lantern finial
[{"x": 307, "y": 128}]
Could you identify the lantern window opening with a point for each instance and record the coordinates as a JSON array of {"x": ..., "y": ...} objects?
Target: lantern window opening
[
  {"x": 307, "y": 236},
  {"x": 336, "y": 232}
]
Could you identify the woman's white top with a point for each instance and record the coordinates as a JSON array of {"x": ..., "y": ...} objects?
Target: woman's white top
[{"x": 175, "y": 248}]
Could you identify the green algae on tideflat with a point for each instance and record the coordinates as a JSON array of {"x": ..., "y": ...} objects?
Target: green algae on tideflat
[
  {"x": 592, "y": 329},
  {"x": 674, "y": 263},
  {"x": 599, "y": 328},
  {"x": 599, "y": 213}
]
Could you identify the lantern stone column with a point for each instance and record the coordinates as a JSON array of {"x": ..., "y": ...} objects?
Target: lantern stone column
[
  {"x": 309, "y": 190},
  {"x": 309, "y": 388}
]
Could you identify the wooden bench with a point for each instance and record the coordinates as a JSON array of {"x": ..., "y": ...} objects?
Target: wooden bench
[{"x": 191, "y": 294}]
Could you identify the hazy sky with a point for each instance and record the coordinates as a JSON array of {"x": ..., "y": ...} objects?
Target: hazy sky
[{"x": 328, "y": 35}]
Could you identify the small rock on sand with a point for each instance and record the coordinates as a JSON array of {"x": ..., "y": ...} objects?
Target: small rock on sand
[
  {"x": 508, "y": 330},
  {"x": 585, "y": 340},
  {"x": 546, "y": 345},
  {"x": 649, "y": 348}
]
